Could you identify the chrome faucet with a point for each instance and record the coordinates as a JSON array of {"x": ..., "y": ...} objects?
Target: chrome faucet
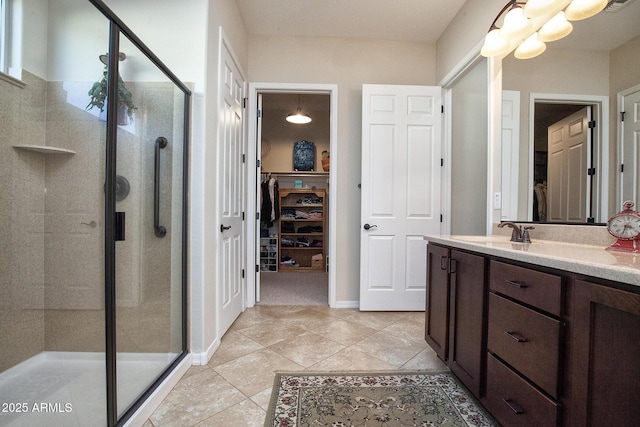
[{"x": 518, "y": 234}]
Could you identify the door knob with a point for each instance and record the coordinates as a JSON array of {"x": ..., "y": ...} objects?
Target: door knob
[
  {"x": 369, "y": 227},
  {"x": 222, "y": 228}
]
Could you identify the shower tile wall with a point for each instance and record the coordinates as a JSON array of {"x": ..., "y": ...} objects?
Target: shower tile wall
[
  {"x": 22, "y": 121},
  {"x": 51, "y": 261}
]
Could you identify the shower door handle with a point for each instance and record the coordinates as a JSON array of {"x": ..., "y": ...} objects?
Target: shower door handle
[{"x": 159, "y": 230}]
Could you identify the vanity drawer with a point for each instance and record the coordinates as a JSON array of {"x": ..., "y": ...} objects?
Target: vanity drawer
[
  {"x": 514, "y": 402},
  {"x": 525, "y": 339},
  {"x": 541, "y": 290}
]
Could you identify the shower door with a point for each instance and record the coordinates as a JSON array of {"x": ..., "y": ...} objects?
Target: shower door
[{"x": 149, "y": 217}]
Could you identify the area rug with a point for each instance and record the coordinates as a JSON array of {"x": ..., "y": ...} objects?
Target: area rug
[{"x": 429, "y": 398}]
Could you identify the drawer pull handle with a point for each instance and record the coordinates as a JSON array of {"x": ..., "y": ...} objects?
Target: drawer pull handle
[
  {"x": 515, "y": 408},
  {"x": 516, "y": 284},
  {"x": 514, "y": 337}
]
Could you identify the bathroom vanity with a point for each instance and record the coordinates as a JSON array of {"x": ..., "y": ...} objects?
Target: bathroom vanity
[{"x": 543, "y": 333}]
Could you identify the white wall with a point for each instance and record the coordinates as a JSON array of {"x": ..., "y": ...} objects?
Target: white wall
[{"x": 348, "y": 63}]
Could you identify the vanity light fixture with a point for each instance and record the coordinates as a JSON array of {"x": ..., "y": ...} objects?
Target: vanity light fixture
[
  {"x": 527, "y": 25},
  {"x": 298, "y": 118}
]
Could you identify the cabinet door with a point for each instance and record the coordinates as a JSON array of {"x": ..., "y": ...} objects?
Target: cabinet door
[
  {"x": 606, "y": 356},
  {"x": 437, "y": 307},
  {"x": 467, "y": 305}
]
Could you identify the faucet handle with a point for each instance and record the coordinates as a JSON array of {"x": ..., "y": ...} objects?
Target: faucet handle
[{"x": 525, "y": 234}]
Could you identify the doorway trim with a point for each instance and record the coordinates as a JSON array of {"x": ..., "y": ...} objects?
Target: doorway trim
[
  {"x": 600, "y": 143},
  {"x": 252, "y": 175}
]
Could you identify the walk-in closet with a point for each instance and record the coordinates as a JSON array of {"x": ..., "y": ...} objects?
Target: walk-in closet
[{"x": 293, "y": 196}]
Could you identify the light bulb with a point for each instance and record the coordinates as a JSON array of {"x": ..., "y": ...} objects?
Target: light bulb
[
  {"x": 536, "y": 8},
  {"x": 530, "y": 48},
  {"x": 583, "y": 9},
  {"x": 494, "y": 45},
  {"x": 555, "y": 29},
  {"x": 516, "y": 25}
]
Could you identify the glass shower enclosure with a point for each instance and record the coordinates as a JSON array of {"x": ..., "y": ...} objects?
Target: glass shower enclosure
[{"x": 93, "y": 196}]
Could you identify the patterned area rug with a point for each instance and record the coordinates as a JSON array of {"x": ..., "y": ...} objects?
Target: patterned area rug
[{"x": 423, "y": 399}]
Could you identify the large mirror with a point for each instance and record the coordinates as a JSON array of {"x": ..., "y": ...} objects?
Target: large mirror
[{"x": 588, "y": 76}]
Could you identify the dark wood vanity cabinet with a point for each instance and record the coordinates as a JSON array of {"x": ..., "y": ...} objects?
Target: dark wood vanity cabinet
[
  {"x": 604, "y": 375},
  {"x": 455, "y": 312},
  {"x": 536, "y": 346},
  {"x": 524, "y": 345}
]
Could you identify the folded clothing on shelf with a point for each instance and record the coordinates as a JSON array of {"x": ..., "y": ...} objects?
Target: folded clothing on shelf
[{"x": 310, "y": 229}]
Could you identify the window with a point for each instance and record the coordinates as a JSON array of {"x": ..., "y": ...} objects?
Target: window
[{"x": 4, "y": 35}]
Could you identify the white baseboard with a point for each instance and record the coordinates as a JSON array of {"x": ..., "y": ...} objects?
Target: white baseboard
[
  {"x": 347, "y": 304},
  {"x": 204, "y": 357}
]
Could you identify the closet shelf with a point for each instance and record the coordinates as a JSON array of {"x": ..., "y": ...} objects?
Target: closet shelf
[{"x": 45, "y": 149}]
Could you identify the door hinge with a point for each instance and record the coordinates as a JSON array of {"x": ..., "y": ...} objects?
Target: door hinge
[
  {"x": 244, "y": 102},
  {"x": 243, "y": 216},
  {"x": 442, "y": 109},
  {"x": 441, "y": 162},
  {"x": 244, "y": 158},
  {"x": 257, "y": 216},
  {"x": 622, "y": 168},
  {"x": 257, "y": 163},
  {"x": 243, "y": 273},
  {"x": 591, "y": 171},
  {"x": 259, "y": 113},
  {"x": 257, "y": 268},
  {"x": 592, "y": 124},
  {"x": 622, "y": 115},
  {"x": 441, "y": 218}
]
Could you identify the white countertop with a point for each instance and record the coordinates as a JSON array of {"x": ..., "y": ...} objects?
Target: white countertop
[{"x": 588, "y": 260}]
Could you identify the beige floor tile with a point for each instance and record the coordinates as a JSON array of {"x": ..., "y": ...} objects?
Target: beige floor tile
[
  {"x": 272, "y": 331},
  {"x": 345, "y": 332},
  {"x": 244, "y": 414},
  {"x": 416, "y": 316},
  {"x": 335, "y": 312},
  {"x": 307, "y": 349},
  {"x": 350, "y": 359},
  {"x": 254, "y": 372},
  {"x": 374, "y": 319},
  {"x": 395, "y": 350},
  {"x": 425, "y": 360},
  {"x": 263, "y": 398},
  {"x": 248, "y": 318},
  {"x": 309, "y": 319},
  {"x": 196, "y": 398},
  {"x": 406, "y": 329},
  {"x": 232, "y": 346}
]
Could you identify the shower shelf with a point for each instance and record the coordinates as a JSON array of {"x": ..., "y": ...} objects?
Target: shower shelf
[{"x": 45, "y": 149}]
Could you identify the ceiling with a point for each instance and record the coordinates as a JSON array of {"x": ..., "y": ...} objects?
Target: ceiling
[
  {"x": 404, "y": 20},
  {"x": 409, "y": 20}
]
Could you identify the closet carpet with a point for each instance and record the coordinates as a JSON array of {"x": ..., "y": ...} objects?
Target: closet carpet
[{"x": 293, "y": 288}]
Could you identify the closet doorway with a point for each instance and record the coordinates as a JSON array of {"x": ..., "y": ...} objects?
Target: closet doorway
[{"x": 294, "y": 232}]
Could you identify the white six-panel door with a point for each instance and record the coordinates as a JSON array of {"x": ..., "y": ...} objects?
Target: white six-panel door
[
  {"x": 400, "y": 199},
  {"x": 629, "y": 189},
  {"x": 568, "y": 189},
  {"x": 231, "y": 192}
]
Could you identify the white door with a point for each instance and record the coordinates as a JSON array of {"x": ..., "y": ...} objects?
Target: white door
[
  {"x": 258, "y": 142},
  {"x": 231, "y": 192},
  {"x": 630, "y": 149},
  {"x": 568, "y": 189},
  {"x": 510, "y": 153},
  {"x": 400, "y": 199}
]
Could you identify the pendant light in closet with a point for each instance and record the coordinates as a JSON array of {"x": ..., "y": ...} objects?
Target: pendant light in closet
[{"x": 298, "y": 118}]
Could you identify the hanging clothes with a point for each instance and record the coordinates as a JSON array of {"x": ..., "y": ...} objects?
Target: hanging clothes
[{"x": 270, "y": 207}]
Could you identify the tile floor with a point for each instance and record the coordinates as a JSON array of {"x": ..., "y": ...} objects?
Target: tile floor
[{"x": 233, "y": 390}]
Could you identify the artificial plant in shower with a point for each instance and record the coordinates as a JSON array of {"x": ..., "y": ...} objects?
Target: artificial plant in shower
[{"x": 98, "y": 95}]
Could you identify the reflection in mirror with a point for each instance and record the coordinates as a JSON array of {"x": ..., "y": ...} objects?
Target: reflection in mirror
[{"x": 595, "y": 66}]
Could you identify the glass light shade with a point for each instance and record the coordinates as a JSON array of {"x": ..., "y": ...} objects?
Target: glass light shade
[
  {"x": 298, "y": 118},
  {"x": 536, "y": 8},
  {"x": 516, "y": 26},
  {"x": 555, "y": 29},
  {"x": 583, "y": 9},
  {"x": 494, "y": 45},
  {"x": 530, "y": 48}
]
